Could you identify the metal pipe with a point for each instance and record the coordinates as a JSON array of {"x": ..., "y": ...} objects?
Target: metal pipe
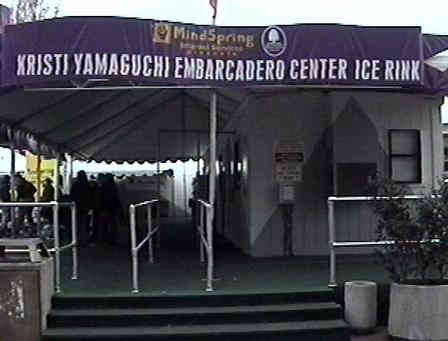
[
  {"x": 150, "y": 251},
  {"x": 212, "y": 178},
  {"x": 173, "y": 197},
  {"x": 13, "y": 188},
  {"x": 74, "y": 242},
  {"x": 331, "y": 236},
  {"x": 39, "y": 175},
  {"x": 410, "y": 197},
  {"x": 56, "y": 246},
  {"x": 56, "y": 226},
  {"x": 33, "y": 204},
  {"x": 201, "y": 231},
  {"x": 56, "y": 177},
  {"x": 159, "y": 197},
  {"x": 39, "y": 188},
  {"x": 133, "y": 250},
  {"x": 185, "y": 189},
  {"x": 69, "y": 173},
  {"x": 145, "y": 203},
  {"x": 209, "y": 249}
]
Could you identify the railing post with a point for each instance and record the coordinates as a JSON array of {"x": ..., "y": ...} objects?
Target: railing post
[
  {"x": 150, "y": 249},
  {"x": 331, "y": 235},
  {"x": 201, "y": 232},
  {"x": 209, "y": 248},
  {"x": 57, "y": 249},
  {"x": 133, "y": 250},
  {"x": 74, "y": 241}
]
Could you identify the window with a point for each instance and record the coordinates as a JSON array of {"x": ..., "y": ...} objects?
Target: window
[
  {"x": 445, "y": 152},
  {"x": 405, "y": 156},
  {"x": 353, "y": 178}
]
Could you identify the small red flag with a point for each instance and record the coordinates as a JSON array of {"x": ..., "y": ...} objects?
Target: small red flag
[{"x": 214, "y": 4}]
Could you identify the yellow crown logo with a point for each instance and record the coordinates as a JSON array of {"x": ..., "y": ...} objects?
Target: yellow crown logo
[{"x": 162, "y": 33}]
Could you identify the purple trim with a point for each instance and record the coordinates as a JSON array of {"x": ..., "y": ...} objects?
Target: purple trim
[{"x": 149, "y": 52}]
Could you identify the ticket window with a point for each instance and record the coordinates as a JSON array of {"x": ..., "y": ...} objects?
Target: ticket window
[{"x": 353, "y": 178}]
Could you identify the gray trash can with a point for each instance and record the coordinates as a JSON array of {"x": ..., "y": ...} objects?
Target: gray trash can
[{"x": 361, "y": 305}]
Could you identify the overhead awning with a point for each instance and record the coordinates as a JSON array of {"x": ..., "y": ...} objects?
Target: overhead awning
[
  {"x": 121, "y": 89},
  {"x": 116, "y": 125}
]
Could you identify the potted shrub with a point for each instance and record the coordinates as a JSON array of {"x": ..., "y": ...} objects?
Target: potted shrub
[{"x": 416, "y": 259}]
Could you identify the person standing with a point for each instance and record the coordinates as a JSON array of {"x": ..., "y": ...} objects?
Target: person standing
[
  {"x": 47, "y": 196},
  {"x": 110, "y": 209},
  {"x": 81, "y": 194},
  {"x": 25, "y": 193},
  {"x": 5, "y": 196}
]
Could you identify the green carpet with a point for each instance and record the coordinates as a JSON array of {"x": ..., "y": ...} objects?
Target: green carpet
[{"x": 106, "y": 270}]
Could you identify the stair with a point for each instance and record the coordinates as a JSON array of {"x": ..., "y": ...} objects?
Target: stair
[{"x": 284, "y": 316}]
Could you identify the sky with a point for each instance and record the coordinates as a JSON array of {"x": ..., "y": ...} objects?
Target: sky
[{"x": 431, "y": 15}]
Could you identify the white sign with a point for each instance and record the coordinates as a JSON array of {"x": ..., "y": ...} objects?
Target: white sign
[{"x": 288, "y": 159}]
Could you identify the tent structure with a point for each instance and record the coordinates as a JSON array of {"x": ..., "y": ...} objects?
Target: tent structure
[
  {"x": 130, "y": 125},
  {"x": 121, "y": 89},
  {"x": 124, "y": 89}
]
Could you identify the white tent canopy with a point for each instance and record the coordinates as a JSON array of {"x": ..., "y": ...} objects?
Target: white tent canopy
[{"x": 123, "y": 125}]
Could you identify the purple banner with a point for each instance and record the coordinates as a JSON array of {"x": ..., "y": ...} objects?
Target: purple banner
[{"x": 150, "y": 52}]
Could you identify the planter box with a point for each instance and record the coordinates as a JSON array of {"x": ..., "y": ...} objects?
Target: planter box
[
  {"x": 419, "y": 312},
  {"x": 25, "y": 298}
]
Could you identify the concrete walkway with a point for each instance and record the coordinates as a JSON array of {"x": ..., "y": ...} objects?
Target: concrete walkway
[{"x": 380, "y": 334}]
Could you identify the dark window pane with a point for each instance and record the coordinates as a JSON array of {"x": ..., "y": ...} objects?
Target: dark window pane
[
  {"x": 405, "y": 169},
  {"x": 404, "y": 142}
]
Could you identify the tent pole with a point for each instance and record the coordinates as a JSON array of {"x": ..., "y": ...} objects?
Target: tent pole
[
  {"x": 211, "y": 194},
  {"x": 56, "y": 178},
  {"x": 69, "y": 173}
]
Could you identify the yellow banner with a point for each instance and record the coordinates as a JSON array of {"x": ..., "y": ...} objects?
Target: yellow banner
[{"x": 47, "y": 167}]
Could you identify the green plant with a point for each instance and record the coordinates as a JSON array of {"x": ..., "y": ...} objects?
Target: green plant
[{"x": 415, "y": 232}]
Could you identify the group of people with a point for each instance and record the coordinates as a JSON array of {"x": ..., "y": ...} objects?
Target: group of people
[
  {"x": 25, "y": 193},
  {"x": 99, "y": 210}
]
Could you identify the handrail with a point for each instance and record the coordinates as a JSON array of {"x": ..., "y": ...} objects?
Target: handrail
[
  {"x": 206, "y": 241},
  {"x": 371, "y": 198},
  {"x": 57, "y": 248},
  {"x": 136, "y": 248},
  {"x": 332, "y": 234}
]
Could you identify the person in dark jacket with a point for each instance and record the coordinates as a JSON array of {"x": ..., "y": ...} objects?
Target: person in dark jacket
[
  {"x": 47, "y": 196},
  {"x": 81, "y": 194},
  {"x": 25, "y": 193},
  {"x": 5, "y": 196},
  {"x": 110, "y": 208}
]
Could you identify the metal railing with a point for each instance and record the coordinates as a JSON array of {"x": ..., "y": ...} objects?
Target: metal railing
[
  {"x": 57, "y": 249},
  {"x": 332, "y": 233},
  {"x": 136, "y": 248},
  {"x": 206, "y": 240}
]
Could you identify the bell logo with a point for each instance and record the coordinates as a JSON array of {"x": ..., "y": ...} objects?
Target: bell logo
[
  {"x": 162, "y": 33},
  {"x": 273, "y": 41}
]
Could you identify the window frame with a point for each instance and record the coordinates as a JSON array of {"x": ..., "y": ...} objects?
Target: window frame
[{"x": 415, "y": 156}]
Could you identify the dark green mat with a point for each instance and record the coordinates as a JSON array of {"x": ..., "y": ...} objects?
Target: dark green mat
[{"x": 106, "y": 270}]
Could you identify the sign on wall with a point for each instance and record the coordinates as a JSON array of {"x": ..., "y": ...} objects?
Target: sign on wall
[
  {"x": 289, "y": 157},
  {"x": 148, "y": 51}
]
